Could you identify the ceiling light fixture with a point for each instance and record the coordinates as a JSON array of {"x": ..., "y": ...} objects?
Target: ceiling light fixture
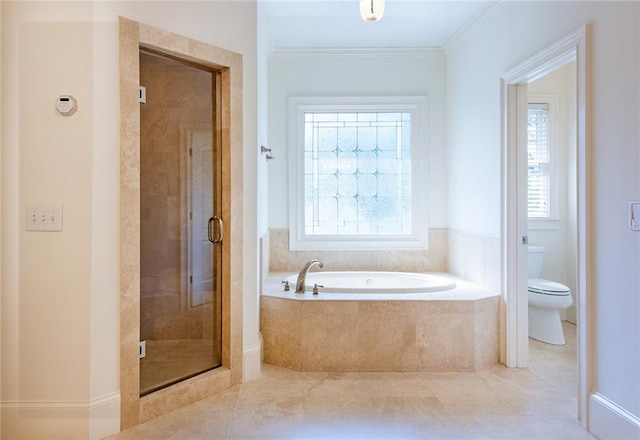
[{"x": 371, "y": 10}]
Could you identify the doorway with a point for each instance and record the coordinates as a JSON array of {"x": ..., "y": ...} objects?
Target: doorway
[
  {"x": 515, "y": 223},
  {"x": 552, "y": 217},
  {"x": 551, "y": 177},
  {"x": 132, "y": 37},
  {"x": 180, "y": 289}
]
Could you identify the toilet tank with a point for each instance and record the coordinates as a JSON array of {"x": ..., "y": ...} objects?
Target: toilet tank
[{"x": 534, "y": 260}]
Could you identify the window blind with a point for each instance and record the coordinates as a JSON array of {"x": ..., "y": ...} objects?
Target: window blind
[{"x": 538, "y": 160}]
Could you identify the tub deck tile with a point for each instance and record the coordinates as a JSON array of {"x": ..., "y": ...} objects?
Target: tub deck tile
[{"x": 314, "y": 333}]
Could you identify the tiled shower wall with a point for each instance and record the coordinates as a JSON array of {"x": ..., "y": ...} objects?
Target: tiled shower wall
[
  {"x": 471, "y": 257},
  {"x": 178, "y": 98}
]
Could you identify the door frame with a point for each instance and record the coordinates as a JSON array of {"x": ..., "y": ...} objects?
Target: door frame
[
  {"x": 514, "y": 318},
  {"x": 133, "y": 36}
]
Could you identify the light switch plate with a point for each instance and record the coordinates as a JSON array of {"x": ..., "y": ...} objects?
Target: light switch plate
[
  {"x": 634, "y": 215},
  {"x": 44, "y": 218}
]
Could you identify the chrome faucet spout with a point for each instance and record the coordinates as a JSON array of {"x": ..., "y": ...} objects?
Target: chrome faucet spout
[{"x": 302, "y": 275}]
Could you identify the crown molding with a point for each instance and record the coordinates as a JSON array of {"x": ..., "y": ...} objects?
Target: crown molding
[
  {"x": 418, "y": 52},
  {"x": 470, "y": 26}
]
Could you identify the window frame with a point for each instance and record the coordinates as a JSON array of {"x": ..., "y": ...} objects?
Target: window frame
[
  {"x": 552, "y": 220},
  {"x": 418, "y": 238}
]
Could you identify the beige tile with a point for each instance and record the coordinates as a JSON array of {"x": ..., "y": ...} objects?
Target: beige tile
[
  {"x": 497, "y": 403},
  {"x": 396, "y": 385},
  {"x": 270, "y": 371},
  {"x": 161, "y": 402},
  {"x": 464, "y": 405},
  {"x": 330, "y": 342},
  {"x": 270, "y": 388},
  {"x": 311, "y": 309},
  {"x": 457, "y": 384},
  {"x": 421, "y": 413},
  {"x": 280, "y": 328},
  {"x": 447, "y": 307},
  {"x": 445, "y": 343},
  {"x": 210, "y": 417},
  {"x": 335, "y": 385},
  {"x": 330, "y": 410},
  {"x": 381, "y": 348},
  {"x": 273, "y": 417},
  {"x": 410, "y": 311},
  {"x": 519, "y": 382},
  {"x": 541, "y": 406},
  {"x": 281, "y": 259},
  {"x": 347, "y": 335},
  {"x": 486, "y": 334}
]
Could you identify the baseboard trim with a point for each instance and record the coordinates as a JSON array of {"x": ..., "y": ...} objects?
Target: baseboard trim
[
  {"x": 104, "y": 416},
  {"x": 608, "y": 421},
  {"x": 61, "y": 419},
  {"x": 106, "y": 399},
  {"x": 252, "y": 367}
]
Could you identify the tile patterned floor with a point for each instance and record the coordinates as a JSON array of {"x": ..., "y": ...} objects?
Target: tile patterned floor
[{"x": 498, "y": 403}]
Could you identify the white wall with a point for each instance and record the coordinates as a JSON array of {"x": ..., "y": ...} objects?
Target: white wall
[
  {"x": 263, "y": 51},
  {"x": 60, "y": 309},
  {"x": 356, "y": 73},
  {"x": 510, "y": 34},
  {"x": 262, "y": 184},
  {"x": 46, "y": 287}
]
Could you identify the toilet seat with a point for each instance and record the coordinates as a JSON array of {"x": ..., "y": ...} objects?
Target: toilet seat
[{"x": 546, "y": 287}]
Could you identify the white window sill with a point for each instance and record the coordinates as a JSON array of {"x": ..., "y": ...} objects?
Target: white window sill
[{"x": 544, "y": 223}]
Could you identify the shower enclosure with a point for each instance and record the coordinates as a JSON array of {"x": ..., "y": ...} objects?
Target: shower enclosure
[{"x": 180, "y": 234}]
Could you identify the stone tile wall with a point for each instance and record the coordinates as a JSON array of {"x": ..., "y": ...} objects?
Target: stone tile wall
[
  {"x": 281, "y": 259},
  {"x": 380, "y": 335},
  {"x": 471, "y": 257}
]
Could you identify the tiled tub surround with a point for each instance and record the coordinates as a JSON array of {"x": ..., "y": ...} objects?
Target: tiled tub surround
[
  {"x": 471, "y": 257},
  {"x": 474, "y": 258},
  {"x": 454, "y": 330},
  {"x": 281, "y": 259}
]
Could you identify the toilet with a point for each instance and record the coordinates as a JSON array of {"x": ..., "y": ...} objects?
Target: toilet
[{"x": 546, "y": 299}]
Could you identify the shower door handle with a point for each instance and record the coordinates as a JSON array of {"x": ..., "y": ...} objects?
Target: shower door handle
[{"x": 212, "y": 239}]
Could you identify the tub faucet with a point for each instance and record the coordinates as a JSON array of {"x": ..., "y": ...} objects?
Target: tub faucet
[{"x": 302, "y": 275}]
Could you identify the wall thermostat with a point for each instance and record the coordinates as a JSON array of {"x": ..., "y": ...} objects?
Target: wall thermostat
[{"x": 66, "y": 105}]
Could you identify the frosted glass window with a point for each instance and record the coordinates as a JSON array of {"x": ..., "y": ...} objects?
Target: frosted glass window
[
  {"x": 357, "y": 173},
  {"x": 362, "y": 162}
]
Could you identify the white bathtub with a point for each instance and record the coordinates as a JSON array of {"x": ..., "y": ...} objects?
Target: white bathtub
[
  {"x": 375, "y": 286},
  {"x": 374, "y": 282}
]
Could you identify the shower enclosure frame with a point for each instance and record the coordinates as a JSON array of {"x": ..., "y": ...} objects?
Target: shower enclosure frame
[{"x": 134, "y": 36}]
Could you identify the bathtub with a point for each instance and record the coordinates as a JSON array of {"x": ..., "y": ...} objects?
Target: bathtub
[
  {"x": 379, "y": 321},
  {"x": 374, "y": 282}
]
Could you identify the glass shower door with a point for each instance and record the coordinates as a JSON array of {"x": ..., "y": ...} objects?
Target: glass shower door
[{"x": 180, "y": 299}]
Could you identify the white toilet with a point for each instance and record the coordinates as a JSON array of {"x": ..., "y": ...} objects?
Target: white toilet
[{"x": 546, "y": 299}]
